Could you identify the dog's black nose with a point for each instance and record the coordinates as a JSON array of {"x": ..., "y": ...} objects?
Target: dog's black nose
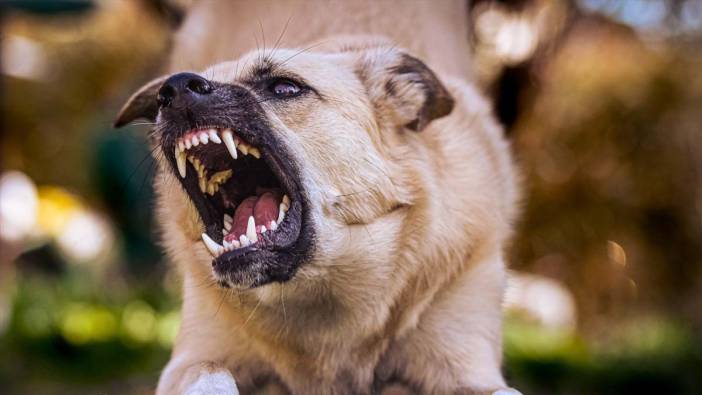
[{"x": 182, "y": 90}]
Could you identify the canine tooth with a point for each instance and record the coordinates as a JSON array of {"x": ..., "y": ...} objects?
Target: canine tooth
[
  {"x": 227, "y": 226},
  {"x": 251, "y": 230},
  {"x": 286, "y": 200},
  {"x": 180, "y": 161},
  {"x": 244, "y": 148},
  {"x": 229, "y": 142},
  {"x": 195, "y": 141},
  {"x": 224, "y": 232},
  {"x": 228, "y": 219},
  {"x": 181, "y": 145},
  {"x": 281, "y": 214},
  {"x": 244, "y": 240},
  {"x": 213, "y": 136},
  {"x": 212, "y": 246},
  {"x": 255, "y": 153},
  {"x": 274, "y": 225},
  {"x": 283, "y": 207},
  {"x": 263, "y": 229},
  {"x": 204, "y": 138}
]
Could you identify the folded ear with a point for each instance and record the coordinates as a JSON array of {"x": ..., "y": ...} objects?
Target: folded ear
[
  {"x": 403, "y": 88},
  {"x": 142, "y": 104}
]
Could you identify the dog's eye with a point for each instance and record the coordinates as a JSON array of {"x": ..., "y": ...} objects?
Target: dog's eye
[{"x": 284, "y": 88}]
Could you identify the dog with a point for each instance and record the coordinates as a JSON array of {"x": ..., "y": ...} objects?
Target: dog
[{"x": 338, "y": 216}]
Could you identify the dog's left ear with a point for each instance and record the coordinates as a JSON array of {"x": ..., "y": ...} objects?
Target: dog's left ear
[
  {"x": 404, "y": 89},
  {"x": 142, "y": 104}
]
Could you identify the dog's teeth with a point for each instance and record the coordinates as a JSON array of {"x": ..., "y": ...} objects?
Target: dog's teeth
[
  {"x": 286, "y": 200},
  {"x": 263, "y": 229},
  {"x": 210, "y": 189},
  {"x": 229, "y": 142},
  {"x": 228, "y": 219},
  {"x": 227, "y": 245},
  {"x": 180, "y": 161},
  {"x": 236, "y": 243},
  {"x": 221, "y": 176},
  {"x": 213, "y": 136},
  {"x": 244, "y": 148},
  {"x": 251, "y": 230},
  {"x": 281, "y": 214},
  {"x": 204, "y": 138},
  {"x": 283, "y": 207},
  {"x": 187, "y": 143},
  {"x": 212, "y": 246},
  {"x": 194, "y": 141},
  {"x": 255, "y": 153},
  {"x": 244, "y": 240},
  {"x": 202, "y": 183},
  {"x": 181, "y": 145},
  {"x": 274, "y": 225},
  {"x": 225, "y": 232}
]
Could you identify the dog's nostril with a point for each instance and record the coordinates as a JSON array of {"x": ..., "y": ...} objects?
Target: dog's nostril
[
  {"x": 181, "y": 89},
  {"x": 199, "y": 85},
  {"x": 165, "y": 95}
]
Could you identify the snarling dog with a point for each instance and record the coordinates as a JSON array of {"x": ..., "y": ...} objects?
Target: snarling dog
[{"x": 338, "y": 216}]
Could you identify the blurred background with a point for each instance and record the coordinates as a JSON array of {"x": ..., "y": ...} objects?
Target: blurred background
[{"x": 602, "y": 100}]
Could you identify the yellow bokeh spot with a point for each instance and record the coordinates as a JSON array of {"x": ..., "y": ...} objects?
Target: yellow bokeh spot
[
  {"x": 139, "y": 321},
  {"x": 81, "y": 323},
  {"x": 56, "y": 205}
]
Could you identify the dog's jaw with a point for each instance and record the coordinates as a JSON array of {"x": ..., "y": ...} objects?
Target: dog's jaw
[{"x": 244, "y": 185}]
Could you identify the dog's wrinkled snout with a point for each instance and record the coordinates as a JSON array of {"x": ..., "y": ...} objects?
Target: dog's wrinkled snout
[{"x": 183, "y": 90}]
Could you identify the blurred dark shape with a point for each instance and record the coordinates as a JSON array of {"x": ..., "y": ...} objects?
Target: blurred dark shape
[
  {"x": 123, "y": 173},
  {"x": 48, "y": 7},
  {"x": 507, "y": 100},
  {"x": 43, "y": 260}
]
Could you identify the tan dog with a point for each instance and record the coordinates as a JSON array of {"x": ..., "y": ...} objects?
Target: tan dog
[{"x": 338, "y": 216}]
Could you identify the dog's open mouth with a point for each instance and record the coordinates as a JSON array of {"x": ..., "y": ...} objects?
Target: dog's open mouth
[{"x": 243, "y": 193}]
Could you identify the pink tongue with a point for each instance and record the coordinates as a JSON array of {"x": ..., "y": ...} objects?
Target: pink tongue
[
  {"x": 242, "y": 214},
  {"x": 264, "y": 209}
]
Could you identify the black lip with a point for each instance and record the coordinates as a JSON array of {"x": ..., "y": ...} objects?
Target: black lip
[{"x": 277, "y": 256}]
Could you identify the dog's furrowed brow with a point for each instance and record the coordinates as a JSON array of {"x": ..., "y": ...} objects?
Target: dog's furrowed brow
[{"x": 263, "y": 69}]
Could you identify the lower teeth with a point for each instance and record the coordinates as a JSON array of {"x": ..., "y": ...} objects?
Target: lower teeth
[{"x": 244, "y": 240}]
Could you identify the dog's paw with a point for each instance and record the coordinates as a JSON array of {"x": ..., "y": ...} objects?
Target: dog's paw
[
  {"x": 507, "y": 391},
  {"x": 214, "y": 383}
]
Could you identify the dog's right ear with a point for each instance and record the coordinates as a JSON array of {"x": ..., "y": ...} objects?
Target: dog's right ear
[{"x": 142, "y": 104}]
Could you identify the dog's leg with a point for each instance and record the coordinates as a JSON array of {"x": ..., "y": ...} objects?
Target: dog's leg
[
  {"x": 201, "y": 362},
  {"x": 456, "y": 347},
  {"x": 206, "y": 378},
  {"x": 181, "y": 377}
]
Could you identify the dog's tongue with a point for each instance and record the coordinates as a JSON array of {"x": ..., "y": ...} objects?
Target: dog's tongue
[{"x": 263, "y": 207}]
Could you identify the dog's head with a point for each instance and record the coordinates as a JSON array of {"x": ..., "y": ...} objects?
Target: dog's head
[{"x": 282, "y": 152}]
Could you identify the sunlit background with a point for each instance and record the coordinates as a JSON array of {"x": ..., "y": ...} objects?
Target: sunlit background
[{"x": 601, "y": 99}]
